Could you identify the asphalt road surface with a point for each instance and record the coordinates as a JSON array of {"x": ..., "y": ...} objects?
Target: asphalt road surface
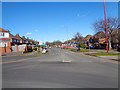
[{"x": 59, "y": 69}]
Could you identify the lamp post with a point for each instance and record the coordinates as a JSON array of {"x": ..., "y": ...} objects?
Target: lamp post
[
  {"x": 66, "y": 28},
  {"x": 105, "y": 24},
  {"x": 67, "y": 34}
]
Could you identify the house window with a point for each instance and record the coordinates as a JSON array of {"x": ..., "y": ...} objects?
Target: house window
[
  {"x": 18, "y": 41},
  {"x": 3, "y": 44},
  {"x": 24, "y": 41},
  {"x": 2, "y": 34},
  {"x": 14, "y": 40}
]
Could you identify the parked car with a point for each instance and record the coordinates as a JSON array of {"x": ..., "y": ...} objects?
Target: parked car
[
  {"x": 62, "y": 47},
  {"x": 44, "y": 51}
]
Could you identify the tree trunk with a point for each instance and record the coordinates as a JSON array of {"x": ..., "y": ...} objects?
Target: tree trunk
[{"x": 109, "y": 41}]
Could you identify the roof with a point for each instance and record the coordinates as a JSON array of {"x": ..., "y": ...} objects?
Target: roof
[
  {"x": 87, "y": 37},
  {"x": 12, "y": 36},
  {"x": 99, "y": 35},
  {"x": 30, "y": 40},
  {"x": 3, "y": 30},
  {"x": 23, "y": 37},
  {"x": 17, "y": 36}
]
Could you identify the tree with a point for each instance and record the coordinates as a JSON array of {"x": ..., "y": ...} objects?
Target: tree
[
  {"x": 111, "y": 25},
  {"x": 48, "y": 43},
  {"x": 81, "y": 45},
  {"x": 57, "y": 42},
  {"x": 78, "y": 37}
]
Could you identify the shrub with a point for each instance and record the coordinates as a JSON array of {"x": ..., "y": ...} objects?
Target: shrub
[{"x": 81, "y": 45}]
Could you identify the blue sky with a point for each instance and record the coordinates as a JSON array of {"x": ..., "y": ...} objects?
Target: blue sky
[{"x": 49, "y": 21}]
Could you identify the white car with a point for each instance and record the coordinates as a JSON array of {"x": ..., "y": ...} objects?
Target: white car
[{"x": 43, "y": 51}]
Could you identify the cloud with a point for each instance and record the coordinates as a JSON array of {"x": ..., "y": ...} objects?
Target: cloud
[
  {"x": 36, "y": 30},
  {"x": 83, "y": 15},
  {"x": 80, "y": 15},
  {"x": 62, "y": 26},
  {"x": 28, "y": 33}
]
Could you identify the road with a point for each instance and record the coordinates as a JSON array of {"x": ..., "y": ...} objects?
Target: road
[{"x": 52, "y": 71}]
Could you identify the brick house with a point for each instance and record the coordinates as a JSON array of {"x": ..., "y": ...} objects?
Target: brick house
[
  {"x": 97, "y": 40},
  {"x": 5, "y": 45},
  {"x": 86, "y": 40},
  {"x": 14, "y": 43},
  {"x": 24, "y": 40},
  {"x": 115, "y": 40}
]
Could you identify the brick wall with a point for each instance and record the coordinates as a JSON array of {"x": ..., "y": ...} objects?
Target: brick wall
[{"x": 6, "y": 49}]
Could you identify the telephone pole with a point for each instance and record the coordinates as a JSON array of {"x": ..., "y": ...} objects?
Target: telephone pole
[{"x": 105, "y": 24}]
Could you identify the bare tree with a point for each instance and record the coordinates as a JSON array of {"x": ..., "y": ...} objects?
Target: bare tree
[
  {"x": 57, "y": 42},
  {"x": 112, "y": 24},
  {"x": 78, "y": 37}
]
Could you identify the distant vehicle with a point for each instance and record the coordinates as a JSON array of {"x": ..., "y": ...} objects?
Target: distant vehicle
[
  {"x": 62, "y": 47},
  {"x": 49, "y": 47}
]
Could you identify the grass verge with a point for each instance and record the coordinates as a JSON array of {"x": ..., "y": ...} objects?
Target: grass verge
[
  {"x": 75, "y": 50},
  {"x": 101, "y": 54},
  {"x": 37, "y": 53},
  {"x": 26, "y": 53}
]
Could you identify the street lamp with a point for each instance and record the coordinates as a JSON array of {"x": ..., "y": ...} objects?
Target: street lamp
[
  {"x": 67, "y": 34},
  {"x": 66, "y": 28},
  {"x": 105, "y": 24}
]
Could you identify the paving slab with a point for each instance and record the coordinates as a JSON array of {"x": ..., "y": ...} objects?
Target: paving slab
[{"x": 109, "y": 57}]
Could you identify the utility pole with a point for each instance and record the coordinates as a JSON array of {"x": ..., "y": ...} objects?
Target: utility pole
[{"x": 105, "y": 24}]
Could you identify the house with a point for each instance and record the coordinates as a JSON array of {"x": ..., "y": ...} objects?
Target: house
[
  {"x": 115, "y": 40},
  {"x": 5, "y": 45},
  {"x": 24, "y": 40},
  {"x": 99, "y": 35},
  {"x": 86, "y": 39},
  {"x": 14, "y": 43},
  {"x": 99, "y": 39}
]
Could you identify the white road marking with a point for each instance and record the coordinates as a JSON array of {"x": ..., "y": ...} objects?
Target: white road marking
[
  {"x": 64, "y": 61},
  {"x": 86, "y": 61}
]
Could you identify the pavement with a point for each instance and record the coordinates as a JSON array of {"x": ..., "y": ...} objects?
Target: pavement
[
  {"x": 109, "y": 57},
  {"x": 11, "y": 54},
  {"x": 59, "y": 69}
]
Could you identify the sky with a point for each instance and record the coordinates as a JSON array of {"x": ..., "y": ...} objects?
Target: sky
[{"x": 50, "y": 21}]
